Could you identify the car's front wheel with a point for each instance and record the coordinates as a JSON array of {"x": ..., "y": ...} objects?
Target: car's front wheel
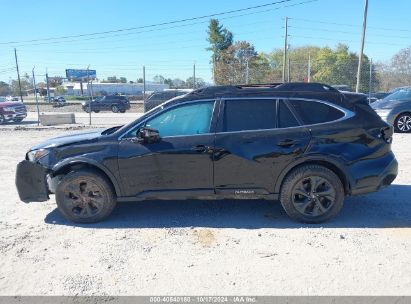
[
  {"x": 312, "y": 194},
  {"x": 114, "y": 108},
  {"x": 403, "y": 123},
  {"x": 85, "y": 196}
]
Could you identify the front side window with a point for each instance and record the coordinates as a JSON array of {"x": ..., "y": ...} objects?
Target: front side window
[
  {"x": 190, "y": 119},
  {"x": 253, "y": 114},
  {"x": 313, "y": 112}
]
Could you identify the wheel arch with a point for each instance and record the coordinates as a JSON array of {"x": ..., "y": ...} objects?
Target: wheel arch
[
  {"x": 328, "y": 163},
  {"x": 68, "y": 166}
]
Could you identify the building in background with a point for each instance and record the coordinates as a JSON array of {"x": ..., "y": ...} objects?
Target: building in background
[{"x": 98, "y": 88}]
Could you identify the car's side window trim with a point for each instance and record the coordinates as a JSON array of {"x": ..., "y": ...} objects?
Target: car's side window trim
[{"x": 142, "y": 123}]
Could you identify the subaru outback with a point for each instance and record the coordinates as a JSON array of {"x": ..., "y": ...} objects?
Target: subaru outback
[{"x": 306, "y": 145}]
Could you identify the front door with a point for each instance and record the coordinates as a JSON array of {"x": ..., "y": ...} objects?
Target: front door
[{"x": 180, "y": 164}]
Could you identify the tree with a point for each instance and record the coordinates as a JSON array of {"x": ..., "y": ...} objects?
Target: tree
[
  {"x": 158, "y": 79},
  {"x": 220, "y": 39},
  {"x": 200, "y": 83},
  {"x": 25, "y": 86},
  {"x": 55, "y": 81},
  {"x": 123, "y": 80},
  {"x": 4, "y": 89},
  {"x": 397, "y": 72},
  {"x": 60, "y": 90}
]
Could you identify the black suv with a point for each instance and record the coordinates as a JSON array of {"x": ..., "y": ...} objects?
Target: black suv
[
  {"x": 306, "y": 145},
  {"x": 158, "y": 98},
  {"x": 114, "y": 103}
]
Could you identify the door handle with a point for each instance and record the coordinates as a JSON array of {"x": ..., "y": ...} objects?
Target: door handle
[
  {"x": 287, "y": 143},
  {"x": 200, "y": 148}
]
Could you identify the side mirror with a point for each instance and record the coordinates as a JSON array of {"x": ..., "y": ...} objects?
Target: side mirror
[{"x": 147, "y": 135}]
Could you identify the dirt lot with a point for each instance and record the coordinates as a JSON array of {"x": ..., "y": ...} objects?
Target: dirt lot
[{"x": 212, "y": 248}]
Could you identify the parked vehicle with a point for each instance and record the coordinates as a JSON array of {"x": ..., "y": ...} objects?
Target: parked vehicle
[
  {"x": 158, "y": 98},
  {"x": 13, "y": 98},
  {"x": 395, "y": 109},
  {"x": 11, "y": 111},
  {"x": 373, "y": 97},
  {"x": 114, "y": 103},
  {"x": 59, "y": 101},
  {"x": 307, "y": 145}
]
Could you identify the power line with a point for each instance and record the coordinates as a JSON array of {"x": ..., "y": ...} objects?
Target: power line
[
  {"x": 150, "y": 25},
  {"x": 153, "y": 30}
]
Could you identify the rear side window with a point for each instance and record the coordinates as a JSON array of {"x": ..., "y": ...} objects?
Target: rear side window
[
  {"x": 313, "y": 112},
  {"x": 254, "y": 114},
  {"x": 286, "y": 119}
]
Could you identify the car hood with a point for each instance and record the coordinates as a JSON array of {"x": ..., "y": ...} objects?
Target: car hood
[
  {"x": 69, "y": 139},
  {"x": 10, "y": 104},
  {"x": 387, "y": 104}
]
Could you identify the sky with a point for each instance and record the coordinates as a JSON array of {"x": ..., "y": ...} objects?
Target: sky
[{"x": 171, "y": 50}]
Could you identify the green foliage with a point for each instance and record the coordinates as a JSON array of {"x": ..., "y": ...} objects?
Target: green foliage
[
  {"x": 5, "y": 89},
  {"x": 60, "y": 90},
  {"x": 25, "y": 85}
]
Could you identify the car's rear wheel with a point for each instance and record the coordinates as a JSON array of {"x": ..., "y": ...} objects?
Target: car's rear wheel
[
  {"x": 312, "y": 194},
  {"x": 114, "y": 108},
  {"x": 84, "y": 196},
  {"x": 403, "y": 123}
]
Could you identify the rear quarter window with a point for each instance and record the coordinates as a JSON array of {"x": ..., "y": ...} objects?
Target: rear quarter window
[{"x": 314, "y": 112}]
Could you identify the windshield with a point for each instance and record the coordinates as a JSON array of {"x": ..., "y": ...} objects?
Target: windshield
[{"x": 402, "y": 94}]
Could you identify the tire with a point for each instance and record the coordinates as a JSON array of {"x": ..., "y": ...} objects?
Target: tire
[
  {"x": 304, "y": 203},
  {"x": 87, "y": 110},
  {"x": 402, "y": 123},
  {"x": 123, "y": 111},
  {"x": 85, "y": 196},
  {"x": 96, "y": 111},
  {"x": 18, "y": 120},
  {"x": 114, "y": 108}
]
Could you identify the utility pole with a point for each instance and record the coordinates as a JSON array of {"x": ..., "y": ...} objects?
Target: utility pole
[
  {"x": 194, "y": 76},
  {"x": 364, "y": 26},
  {"x": 309, "y": 68},
  {"x": 144, "y": 84},
  {"x": 18, "y": 74},
  {"x": 370, "y": 84},
  {"x": 48, "y": 86},
  {"x": 37, "y": 101},
  {"x": 289, "y": 70},
  {"x": 285, "y": 47},
  {"x": 90, "y": 100},
  {"x": 247, "y": 71}
]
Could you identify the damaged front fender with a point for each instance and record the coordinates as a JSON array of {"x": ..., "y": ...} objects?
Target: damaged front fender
[{"x": 31, "y": 182}]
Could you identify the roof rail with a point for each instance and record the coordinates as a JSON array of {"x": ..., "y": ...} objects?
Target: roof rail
[{"x": 290, "y": 86}]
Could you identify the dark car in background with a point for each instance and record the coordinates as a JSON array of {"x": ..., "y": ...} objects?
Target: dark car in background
[
  {"x": 158, "y": 98},
  {"x": 11, "y": 111},
  {"x": 114, "y": 103},
  {"x": 395, "y": 109},
  {"x": 306, "y": 145}
]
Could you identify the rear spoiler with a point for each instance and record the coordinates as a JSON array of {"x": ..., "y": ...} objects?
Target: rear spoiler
[{"x": 355, "y": 98}]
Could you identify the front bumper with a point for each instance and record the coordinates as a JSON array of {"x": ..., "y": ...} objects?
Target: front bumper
[
  {"x": 31, "y": 182},
  {"x": 14, "y": 115}
]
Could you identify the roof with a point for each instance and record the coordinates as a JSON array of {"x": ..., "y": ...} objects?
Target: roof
[{"x": 281, "y": 90}]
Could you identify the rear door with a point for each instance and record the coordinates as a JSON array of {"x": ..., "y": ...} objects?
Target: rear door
[{"x": 256, "y": 139}]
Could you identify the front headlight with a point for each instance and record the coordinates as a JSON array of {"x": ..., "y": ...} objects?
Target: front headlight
[
  {"x": 383, "y": 112},
  {"x": 8, "y": 109},
  {"x": 35, "y": 155}
]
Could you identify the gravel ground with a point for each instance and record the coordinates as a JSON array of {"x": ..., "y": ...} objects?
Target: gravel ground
[{"x": 198, "y": 247}]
